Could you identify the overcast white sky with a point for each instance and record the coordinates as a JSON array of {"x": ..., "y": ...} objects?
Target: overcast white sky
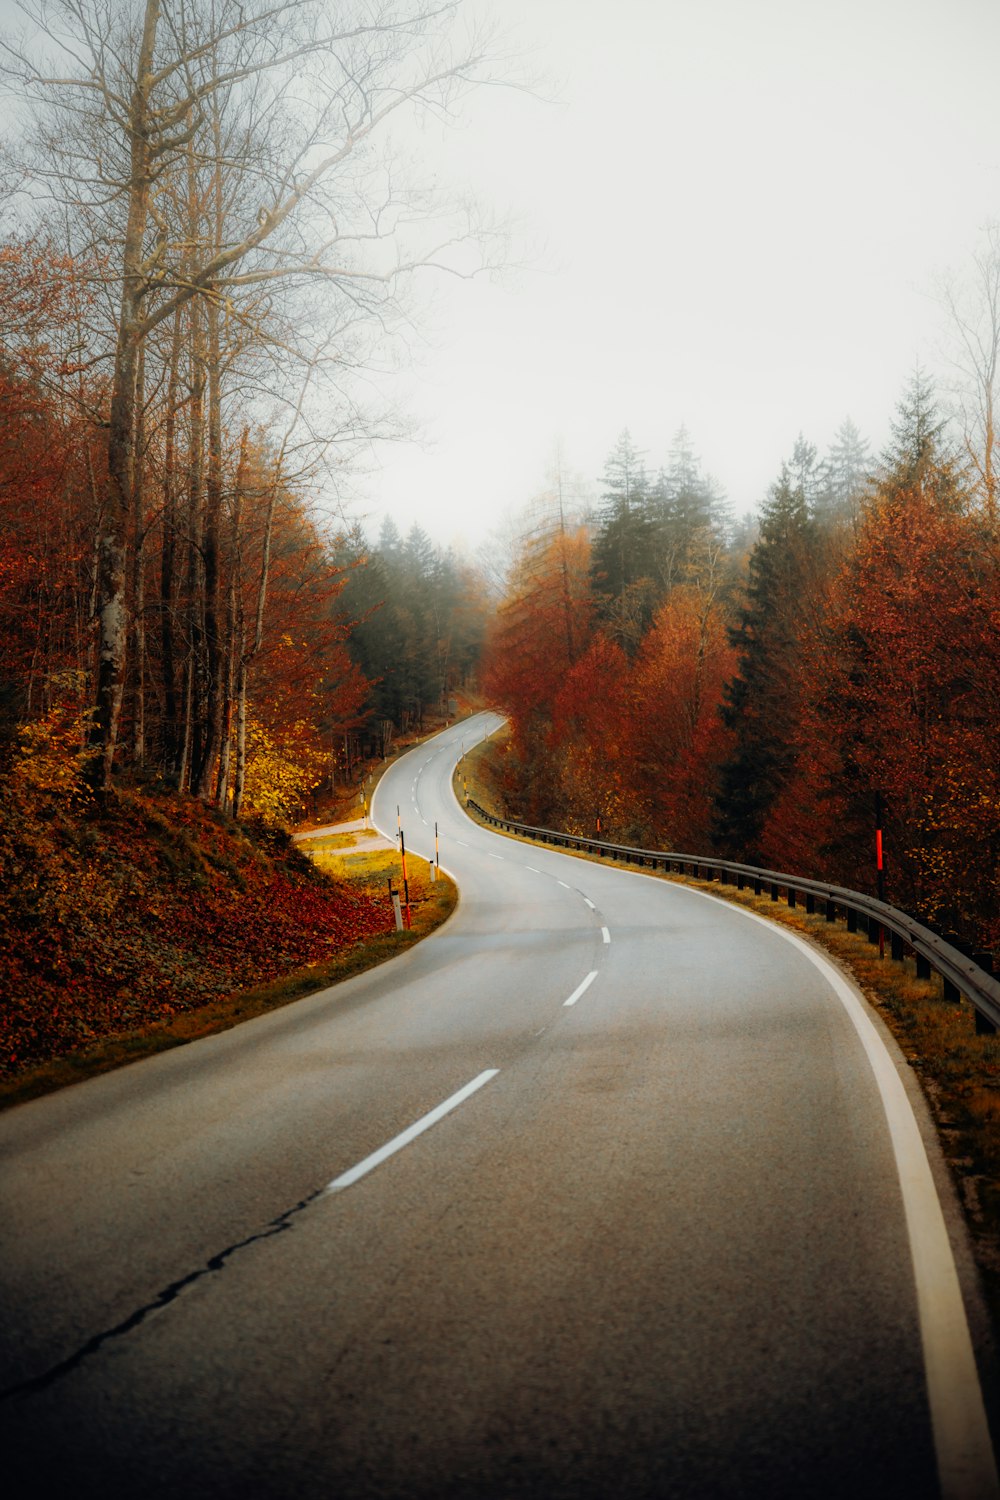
[{"x": 737, "y": 209}]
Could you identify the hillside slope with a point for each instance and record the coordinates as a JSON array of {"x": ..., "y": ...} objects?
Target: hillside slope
[{"x": 116, "y": 918}]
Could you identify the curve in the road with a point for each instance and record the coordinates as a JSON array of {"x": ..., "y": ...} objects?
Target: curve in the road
[
  {"x": 965, "y": 1458},
  {"x": 594, "y": 1193}
]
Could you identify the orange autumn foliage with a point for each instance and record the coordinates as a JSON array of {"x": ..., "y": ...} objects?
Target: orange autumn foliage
[
  {"x": 911, "y": 697},
  {"x": 675, "y": 690}
]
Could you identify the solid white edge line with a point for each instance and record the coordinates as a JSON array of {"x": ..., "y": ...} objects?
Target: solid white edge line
[
  {"x": 966, "y": 1463},
  {"x": 605, "y": 934},
  {"x": 581, "y": 989},
  {"x": 346, "y": 1179}
]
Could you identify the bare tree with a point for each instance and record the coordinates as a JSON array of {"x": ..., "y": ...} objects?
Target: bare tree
[
  {"x": 142, "y": 88},
  {"x": 972, "y": 305}
]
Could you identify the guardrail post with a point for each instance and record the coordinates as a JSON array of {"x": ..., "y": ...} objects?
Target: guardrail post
[
  {"x": 741, "y": 881},
  {"x": 852, "y": 919},
  {"x": 775, "y": 893},
  {"x": 758, "y": 886},
  {"x": 874, "y": 929},
  {"x": 949, "y": 991},
  {"x": 791, "y": 896},
  {"x": 984, "y": 1026},
  {"x": 810, "y": 903},
  {"x": 923, "y": 967},
  {"x": 896, "y": 947},
  {"x": 831, "y": 911}
]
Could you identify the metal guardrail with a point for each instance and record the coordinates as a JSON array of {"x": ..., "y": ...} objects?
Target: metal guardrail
[{"x": 960, "y": 974}]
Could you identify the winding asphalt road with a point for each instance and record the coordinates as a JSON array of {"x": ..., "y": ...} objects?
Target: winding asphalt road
[{"x": 608, "y": 1189}]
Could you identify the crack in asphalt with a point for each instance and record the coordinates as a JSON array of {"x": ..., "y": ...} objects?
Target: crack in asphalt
[{"x": 163, "y": 1299}]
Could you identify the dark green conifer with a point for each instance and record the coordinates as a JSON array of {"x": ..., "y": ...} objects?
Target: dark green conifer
[{"x": 761, "y": 702}]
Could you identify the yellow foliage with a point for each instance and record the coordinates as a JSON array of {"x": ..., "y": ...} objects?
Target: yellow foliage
[
  {"x": 281, "y": 772},
  {"x": 52, "y": 754}
]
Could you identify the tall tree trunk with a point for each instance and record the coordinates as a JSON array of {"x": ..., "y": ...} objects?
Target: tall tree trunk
[
  {"x": 213, "y": 509},
  {"x": 138, "y": 567},
  {"x": 234, "y": 643},
  {"x": 239, "y": 781},
  {"x": 187, "y": 731},
  {"x": 139, "y": 636},
  {"x": 194, "y": 705},
  {"x": 168, "y": 558},
  {"x": 247, "y": 656},
  {"x": 112, "y": 540},
  {"x": 194, "y": 698},
  {"x": 210, "y": 554}
]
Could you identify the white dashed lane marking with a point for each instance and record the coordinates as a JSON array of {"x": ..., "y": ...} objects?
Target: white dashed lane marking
[
  {"x": 581, "y": 989},
  {"x": 369, "y": 1163}
]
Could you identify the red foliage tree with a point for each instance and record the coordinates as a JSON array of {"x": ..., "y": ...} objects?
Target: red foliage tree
[
  {"x": 911, "y": 698},
  {"x": 675, "y": 691},
  {"x": 540, "y": 631},
  {"x": 592, "y": 740},
  {"x": 49, "y": 469}
]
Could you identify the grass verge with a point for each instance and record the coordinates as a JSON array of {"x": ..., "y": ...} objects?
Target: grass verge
[{"x": 959, "y": 1071}]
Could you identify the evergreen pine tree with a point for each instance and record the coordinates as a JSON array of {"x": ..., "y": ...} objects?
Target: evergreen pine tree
[
  {"x": 804, "y": 472},
  {"x": 918, "y": 452},
  {"x": 686, "y": 513},
  {"x": 846, "y": 473},
  {"x": 761, "y": 702},
  {"x": 390, "y": 543},
  {"x": 622, "y": 551}
]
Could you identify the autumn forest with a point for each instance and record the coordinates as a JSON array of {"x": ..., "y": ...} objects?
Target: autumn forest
[
  {"x": 190, "y": 613},
  {"x": 780, "y": 694}
]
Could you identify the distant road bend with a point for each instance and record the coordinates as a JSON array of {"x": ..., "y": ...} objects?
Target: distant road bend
[{"x": 608, "y": 1189}]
